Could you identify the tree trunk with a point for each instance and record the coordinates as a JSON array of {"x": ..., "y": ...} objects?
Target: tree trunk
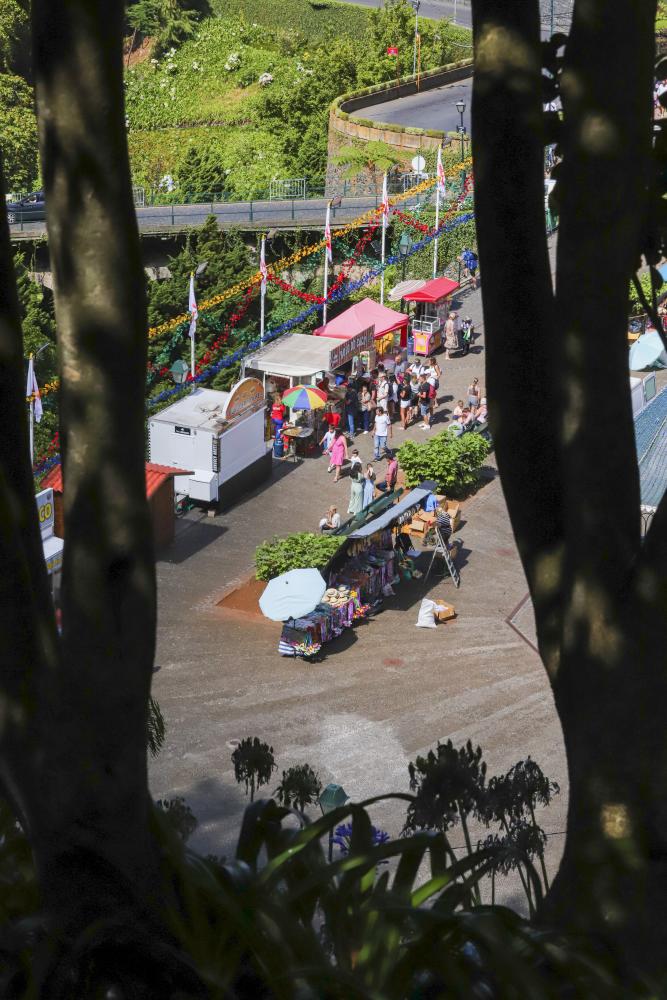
[
  {"x": 90, "y": 830},
  {"x": 570, "y": 472}
]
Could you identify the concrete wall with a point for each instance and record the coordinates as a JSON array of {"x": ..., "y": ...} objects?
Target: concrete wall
[{"x": 347, "y": 125}]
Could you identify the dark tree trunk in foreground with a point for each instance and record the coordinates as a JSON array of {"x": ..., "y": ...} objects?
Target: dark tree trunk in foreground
[
  {"x": 569, "y": 471},
  {"x": 73, "y": 722}
]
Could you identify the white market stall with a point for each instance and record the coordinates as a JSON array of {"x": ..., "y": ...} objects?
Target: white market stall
[
  {"x": 220, "y": 435},
  {"x": 298, "y": 358}
]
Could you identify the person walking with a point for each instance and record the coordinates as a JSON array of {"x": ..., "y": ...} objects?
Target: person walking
[
  {"x": 356, "y": 504},
  {"x": 367, "y": 407},
  {"x": 424, "y": 396},
  {"x": 382, "y": 430},
  {"x": 433, "y": 379},
  {"x": 338, "y": 453},
  {"x": 474, "y": 395}
]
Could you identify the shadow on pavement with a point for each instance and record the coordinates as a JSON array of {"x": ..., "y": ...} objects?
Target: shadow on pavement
[{"x": 191, "y": 538}]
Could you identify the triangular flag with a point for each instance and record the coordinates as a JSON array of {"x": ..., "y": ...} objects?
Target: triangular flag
[
  {"x": 385, "y": 197},
  {"x": 442, "y": 183},
  {"x": 192, "y": 307},
  {"x": 32, "y": 391},
  {"x": 327, "y": 234}
]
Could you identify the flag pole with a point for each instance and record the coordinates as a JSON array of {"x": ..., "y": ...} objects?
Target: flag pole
[
  {"x": 262, "y": 265},
  {"x": 437, "y": 216},
  {"x": 384, "y": 235},
  {"x": 192, "y": 347},
  {"x": 327, "y": 253},
  {"x": 32, "y": 414}
]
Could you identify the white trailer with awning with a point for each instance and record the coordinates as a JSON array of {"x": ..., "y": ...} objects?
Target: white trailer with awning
[{"x": 300, "y": 357}]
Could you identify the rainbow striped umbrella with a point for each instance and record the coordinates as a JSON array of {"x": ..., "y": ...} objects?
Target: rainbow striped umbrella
[{"x": 304, "y": 397}]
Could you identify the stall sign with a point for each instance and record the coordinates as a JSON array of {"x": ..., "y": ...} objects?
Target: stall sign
[
  {"x": 361, "y": 341},
  {"x": 246, "y": 397},
  {"x": 55, "y": 562},
  {"x": 46, "y": 512}
]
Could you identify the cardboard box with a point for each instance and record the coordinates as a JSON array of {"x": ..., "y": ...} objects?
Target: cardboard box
[
  {"x": 417, "y": 526},
  {"x": 448, "y": 612}
]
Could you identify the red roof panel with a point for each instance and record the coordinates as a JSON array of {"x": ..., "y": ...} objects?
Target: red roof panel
[
  {"x": 155, "y": 476},
  {"x": 433, "y": 290}
]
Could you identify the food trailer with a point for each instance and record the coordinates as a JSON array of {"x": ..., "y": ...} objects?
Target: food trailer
[
  {"x": 298, "y": 358},
  {"x": 391, "y": 327},
  {"x": 220, "y": 435},
  {"x": 432, "y": 305}
]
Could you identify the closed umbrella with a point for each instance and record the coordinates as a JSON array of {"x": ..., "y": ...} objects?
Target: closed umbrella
[
  {"x": 292, "y": 595},
  {"x": 304, "y": 397}
]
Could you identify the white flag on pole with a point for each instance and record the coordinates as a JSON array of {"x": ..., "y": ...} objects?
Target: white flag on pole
[
  {"x": 442, "y": 183},
  {"x": 327, "y": 233},
  {"x": 32, "y": 391},
  {"x": 192, "y": 307},
  {"x": 385, "y": 198},
  {"x": 262, "y": 267}
]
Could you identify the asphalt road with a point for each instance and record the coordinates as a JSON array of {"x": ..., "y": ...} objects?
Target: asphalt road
[
  {"x": 460, "y": 11},
  {"x": 429, "y": 109},
  {"x": 250, "y": 215}
]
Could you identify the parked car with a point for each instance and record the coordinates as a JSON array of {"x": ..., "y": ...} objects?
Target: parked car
[{"x": 32, "y": 208}]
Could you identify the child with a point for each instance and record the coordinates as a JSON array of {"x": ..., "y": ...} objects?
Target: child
[
  {"x": 327, "y": 440},
  {"x": 355, "y": 461}
]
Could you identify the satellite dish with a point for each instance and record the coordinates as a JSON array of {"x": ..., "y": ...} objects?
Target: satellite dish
[{"x": 418, "y": 163}]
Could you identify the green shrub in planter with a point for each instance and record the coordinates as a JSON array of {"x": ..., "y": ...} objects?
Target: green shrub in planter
[
  {"x": 302, "y": 550},
  {"x": 452, "y": 462}
]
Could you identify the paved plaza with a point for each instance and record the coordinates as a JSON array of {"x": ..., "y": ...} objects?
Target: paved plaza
[{"x": 385, "y": 692}]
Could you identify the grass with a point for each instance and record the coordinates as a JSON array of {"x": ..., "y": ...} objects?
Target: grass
[{"x": 318, "y": 21}]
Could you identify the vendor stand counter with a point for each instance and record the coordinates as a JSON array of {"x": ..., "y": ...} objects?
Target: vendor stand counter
[
  {"x": 220, "y": 435},
  {"x": 360, "y": 575},
  {"x": 432, "y": 304}
]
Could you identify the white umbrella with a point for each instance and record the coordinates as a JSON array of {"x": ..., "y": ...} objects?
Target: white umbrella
[{"x": 293, "y": 594}]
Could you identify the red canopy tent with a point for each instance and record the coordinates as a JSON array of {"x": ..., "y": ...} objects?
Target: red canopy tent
[
  {"x": 387, "y": 322},
  {"x": 433, "y": 291}
]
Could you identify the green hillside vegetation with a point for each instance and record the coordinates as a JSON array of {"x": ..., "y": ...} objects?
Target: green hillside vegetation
[{"x": 262, "y": 78}]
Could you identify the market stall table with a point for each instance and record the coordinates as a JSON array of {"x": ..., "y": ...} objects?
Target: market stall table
[{"x": 300, "y": 437}]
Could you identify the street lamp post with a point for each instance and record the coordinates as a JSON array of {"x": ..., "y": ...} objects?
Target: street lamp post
[
  {"x": 460, "y": 107},
  {"x": 416, "y": 4},
  {"x": 404, "y": 245},
  {"x": 332, "y": 798}
]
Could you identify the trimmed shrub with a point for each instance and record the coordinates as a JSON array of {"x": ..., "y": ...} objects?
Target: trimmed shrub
[
  {"x": 452, "y": 462},
  {"x": 302, "y": 550}
]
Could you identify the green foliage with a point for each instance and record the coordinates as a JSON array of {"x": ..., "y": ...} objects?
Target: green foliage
[
  {"x": 394, "y": 25},
  {"x": 375, "y": 158},
  {"x": 18, "y": 133},
  {"x": 452, "y": 462},
  {"x": 168, "y": 22},
  {"x": 14, "y": 37},
  {"x": 635, "y": 306},
  {"x": 300, "y": 787},
  {"x": 156, "y": 727},
  {"x": 179, "y": 816},
  {"x": 298, "y": 551},
  {"x": 301, "y": 19},
  {"x": 253, "y": 763}
]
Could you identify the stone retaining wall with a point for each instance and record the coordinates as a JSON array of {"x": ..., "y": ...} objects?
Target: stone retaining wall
[{"x": 346, "y": 126}]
